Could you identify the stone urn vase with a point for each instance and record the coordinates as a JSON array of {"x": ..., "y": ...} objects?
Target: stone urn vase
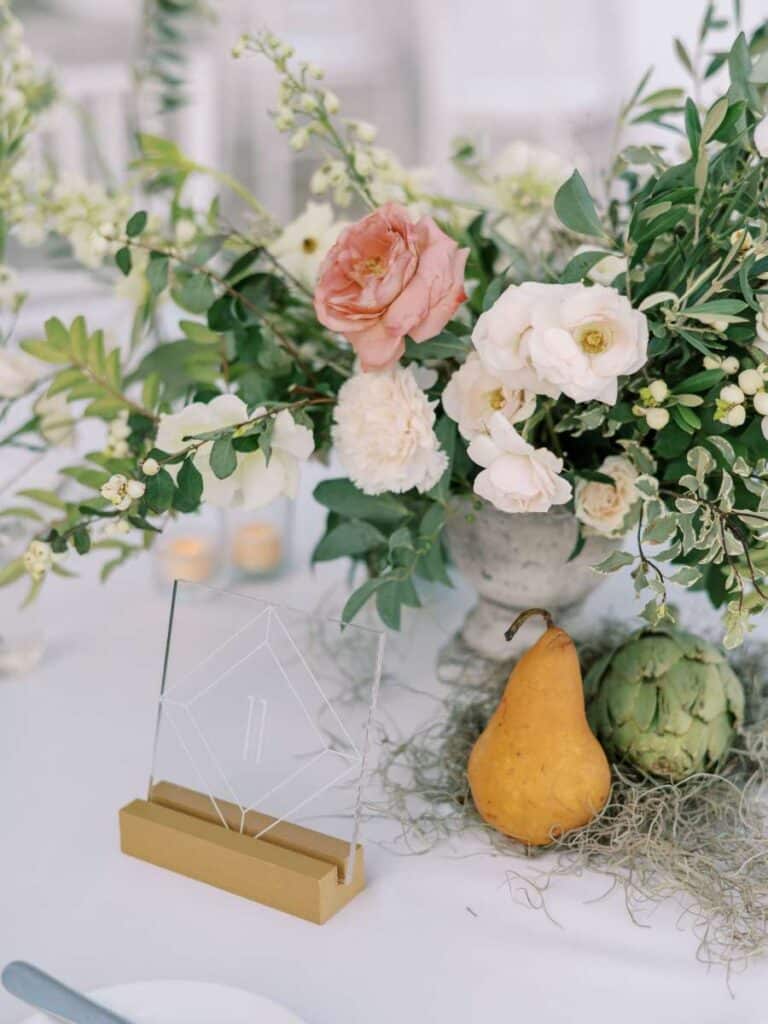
[{"x": 514, "y": 562}]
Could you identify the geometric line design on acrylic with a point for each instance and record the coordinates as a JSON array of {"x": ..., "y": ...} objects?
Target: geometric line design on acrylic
[
  {"x": 255, "y": 723},
  {"x": 217, "y": 650}
]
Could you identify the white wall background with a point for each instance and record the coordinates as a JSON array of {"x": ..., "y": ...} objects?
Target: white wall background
[{"x": 553, "y": 71}]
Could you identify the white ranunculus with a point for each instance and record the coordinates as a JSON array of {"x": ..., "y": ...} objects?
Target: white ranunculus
[
  {"x": 501, "y": 333},
  {"x": 303, "y": 244},
  {"x": 384, "y": 434},
  {"x": 472, "y": 395},
  {"x": 606, "y": 508},
  {"x": 255, "y": 482},
  {"x": 516, "y": 477},
  {"x": 55, "y": 420},
  {"x": 18, "y": 373},
  {"x": 584, "y": 342},
  {"x": 761, "y": 137}
]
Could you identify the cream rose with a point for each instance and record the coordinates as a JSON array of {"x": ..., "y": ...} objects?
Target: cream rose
[
  {"x": 583, "y": 341},
  {"x": 473, "y": 395},
  {"x": 606, "y": 508},
  {"x": 384, "y": 433},
  {"x": 516, "y": 477}
]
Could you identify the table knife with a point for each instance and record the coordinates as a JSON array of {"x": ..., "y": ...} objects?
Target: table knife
[{"x": 45, "y": 993}]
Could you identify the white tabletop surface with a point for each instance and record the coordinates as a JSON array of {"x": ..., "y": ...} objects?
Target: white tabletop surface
[{"x": 432, "y": 938}]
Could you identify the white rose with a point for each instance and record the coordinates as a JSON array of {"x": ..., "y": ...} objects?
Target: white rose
[
  {"x": 18, "y": 373},
  {"x": 586, "y": 341},
  {"x": 384, "y": 434},
  {"x": 301, "y": 247},
  {"x": 516, "y": 477},
  {"x": 605, "y": 508},
  {"x": 254, "y": 483},
  {"x": 761, "y": 137},
  {"x": 472, "y": 395},
  {"x": 501, "y": 331}
]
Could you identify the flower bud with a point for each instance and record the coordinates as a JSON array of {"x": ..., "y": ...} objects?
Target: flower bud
[
  {"x": 760, "y": 402},
  {"x": 657, "y": 419},
  {"x": 750, "y": 381},
  {"x": 711, "y": 363},
  {"x": 735, "y": 416},
  {"x": 365, "y": 132},
  {"x": 299, "y": 139},
  {"x": 732, "y": 394},
  {"x": 764, "y": 427},
  {"x": 307, "y": 102},
  {"x": 730, "y": 365},
  {"x": 658, "y": 390},
  {"x": 331, "y": 101},
  {"x": 135, "y": 489},
  {"x": 150, "y": 467}
]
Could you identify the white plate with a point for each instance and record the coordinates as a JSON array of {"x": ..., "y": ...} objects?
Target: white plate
[{"x": 186, "y": 1002}]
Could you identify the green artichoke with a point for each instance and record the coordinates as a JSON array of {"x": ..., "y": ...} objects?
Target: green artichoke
[{"x": 666, "y": 702}]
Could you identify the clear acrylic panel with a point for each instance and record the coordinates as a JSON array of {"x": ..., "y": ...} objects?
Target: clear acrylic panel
[{"x": 267, "y": 711}]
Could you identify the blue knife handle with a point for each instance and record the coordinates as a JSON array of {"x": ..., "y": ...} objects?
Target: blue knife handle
[{"x": 45, "y": 993}]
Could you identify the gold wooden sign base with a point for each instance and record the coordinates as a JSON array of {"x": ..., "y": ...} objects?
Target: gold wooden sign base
[{"x": 291, "y": 868}]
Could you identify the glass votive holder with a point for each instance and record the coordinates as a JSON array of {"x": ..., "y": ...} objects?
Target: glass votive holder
[
  {"x": 259, "y": 542},
  {"x": 192, "y": 548}
]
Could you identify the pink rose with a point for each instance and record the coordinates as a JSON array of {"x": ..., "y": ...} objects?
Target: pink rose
[{"x": 387, "y": 277}]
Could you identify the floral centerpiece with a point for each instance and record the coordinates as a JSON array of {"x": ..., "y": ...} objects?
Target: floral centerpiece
[{"x": 537, "y": 343}]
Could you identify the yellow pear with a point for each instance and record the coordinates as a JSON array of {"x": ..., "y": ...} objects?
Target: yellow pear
[{"x": 537, "y": 770}]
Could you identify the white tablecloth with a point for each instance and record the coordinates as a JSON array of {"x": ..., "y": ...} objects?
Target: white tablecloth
[{"x": 432, "y": 938}]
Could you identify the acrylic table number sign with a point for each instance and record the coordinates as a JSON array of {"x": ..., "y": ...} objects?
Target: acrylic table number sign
[{"x": 263, "y": 746}]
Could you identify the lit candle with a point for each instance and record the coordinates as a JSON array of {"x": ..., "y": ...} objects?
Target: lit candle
[
  {"x": 257, "y": 548},
  {"x": 189, "y": 558}
]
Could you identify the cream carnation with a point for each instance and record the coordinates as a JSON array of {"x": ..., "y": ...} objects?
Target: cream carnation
[
  {"x": 384, "y": 433},
  {"x": 605, "y": 508},
  {"x": 516, "y": 477},
  {"x": 472, "y": 395}
]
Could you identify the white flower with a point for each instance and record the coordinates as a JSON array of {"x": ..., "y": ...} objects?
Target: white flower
[
  {"x": 38, "y": 559},
  {"x": 584, "y": 342},
  {"x": 732, "y": 394},
  {"x": 472, "y": 395},
  {"x": 18, "y": 373},
  {"x": 384, "y": 433},
  {"x": 735, "y": 416},
  {"x": 118, "y": 433},
  {"x": 562, "y": 338},
  {"x": 761, "y": 325},
  {"x": 658, "y": 390},
  {"x": 116, "y": 528},
  {"x": 656, "y": 419},
  {"x": 500, "y": 333},
  {"x": 606, "y": 270},
  {"x": 303, "y": 244},
  {"x": 605, "y": 508},
  {"x": 761, "y": 137},
  {"x": 254, "y": 483},
  {"x": 516, "y": 476},
  {"x": 121, "y": 492},
  {"x": 55, "y": 420},
  {"x": 522, "y": 181}
]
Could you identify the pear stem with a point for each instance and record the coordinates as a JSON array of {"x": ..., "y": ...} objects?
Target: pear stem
[{"x": 524, "y": 616}]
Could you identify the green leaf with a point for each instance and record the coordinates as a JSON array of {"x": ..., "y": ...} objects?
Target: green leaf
[
  {"x": 580, "y": 265},
  {"x": 714, "y": 119},
  {"x": 701, "y": 381},
  {"x": 341, "y": 495},
  {"x": 348, "y": 540},
  {"x": 44, "y": 497},
  {"x": 223, "y": 458},
  {"x": 196, "y": 294},
  {"x": 136, "y": 224},
  {"x": 42, "y": 350},
  {"x": 157, "y": 272},
  {"x": 159, "y": 492},
  {"x": 199, "y": 332},
  {"x": 92, "y": 478},
  {"x": 57, "y": 334},
  {"x": 388, "y": 604},
  {"x": 360, "y": 596},
  {"x": 189, "y": 488},
  {"x": 682, "y": 56},
  {"x": 11, "y": 572},
  {"x": 576, "y": 209},
  {"x": 615, "y": 561},
  {"x": 82, "y": 540},
  {"x": 446, "y": 435},
  {"x": 444, "y": 346},
  {"x": 124, "y": 260}
]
